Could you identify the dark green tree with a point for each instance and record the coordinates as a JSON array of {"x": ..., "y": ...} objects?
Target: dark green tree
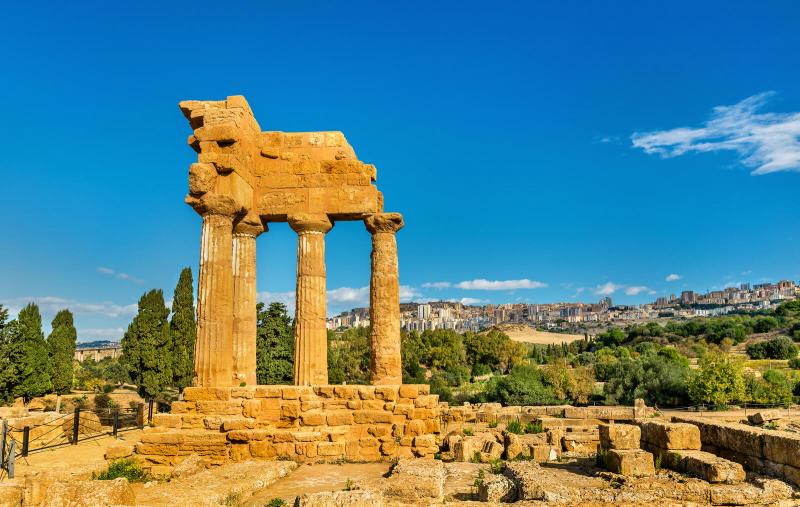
[
  {"x": 61, "y": 344},
  {"x": 348, "y": 356},
  {"x": 184, "y": 331},
  {"x": 29, "y": 353},
  {"x": 147, "y": 347},
  {"x": 8, "y": 370},
  {"x": 274, "y": 345}
]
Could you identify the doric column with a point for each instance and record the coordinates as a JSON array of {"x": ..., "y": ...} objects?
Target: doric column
[
  {"x": 213, "y": 366},
  {"x": 244, "y": 298},
  {"x": 384, "y": 299},
  {"x": 310, "y": 334}
]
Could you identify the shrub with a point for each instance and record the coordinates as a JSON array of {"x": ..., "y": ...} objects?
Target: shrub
[
  {"x": 781, "y": 347},
  {"x": 525, "y": 385},
  {"x": 102, "y": 401},
  {"x": 493, "y": 424},
  {"x": 108, "y": 388},
  {"x": 794, "y": 363},
  {"x": 514, "y": 427},
  {"x": 467, "y": 432},
  {"x": 497, "y": 466},
  {"x": 126, "y": 468},
  {"x": 534, "y": 427},
  {"x": 276, "y": 502}
]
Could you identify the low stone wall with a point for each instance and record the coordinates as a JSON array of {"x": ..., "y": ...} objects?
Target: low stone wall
[
  {"x": 768, "y": 452},
  {"x": 490, "y": 412},
  {"x": 301, "y": 423}
]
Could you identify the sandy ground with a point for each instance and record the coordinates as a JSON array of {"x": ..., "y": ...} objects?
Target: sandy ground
[
  {"x": 87, "y": 453},
  {"x": 527, "y": 334}
]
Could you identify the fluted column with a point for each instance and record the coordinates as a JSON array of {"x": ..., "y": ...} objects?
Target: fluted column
[
  {"x": 384, "y": 299},
  {"x": 214, "y": 348},
  {"x": 310, "y": 334},
  {"x": 245, "y": 324}
]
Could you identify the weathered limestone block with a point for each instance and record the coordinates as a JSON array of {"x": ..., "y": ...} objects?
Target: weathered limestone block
[
  {"x": 73, "y": 493},
  {"x": 620, "y": 436},
  {"x": 677, "y": 436},
  {"x": 521, "y": 446},
  {"x": 469, "y": 448},
  {"x": 782, "y": 447},
  {"x": 415, "y": 481},
  {"x": 739, "y": 438},
  {"x": 704, "y": 465},
  {"x": 524, "y": 476},
  {"x": 759, "y": 491},
  {"x": 764, "y": 416},
  {"x": 630, "y": 462},
  {"x": 497, "y": 488},
  {"x": 356, "y": 498},
  {"x": 118, "y": 451}
]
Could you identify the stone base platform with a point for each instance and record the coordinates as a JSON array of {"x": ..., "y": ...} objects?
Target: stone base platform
[{"x": 299, "y": 423}]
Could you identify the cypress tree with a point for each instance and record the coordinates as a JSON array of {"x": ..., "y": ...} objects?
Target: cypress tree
[
  {"x": 30, "y": 355},
  {"x": 61, "y": 345},
  {"x": 274, "y": 345},
  {"x": 8, "y": 370},
  {"x": 147, "y": 347},
  {"x": 184, "y": 330}
]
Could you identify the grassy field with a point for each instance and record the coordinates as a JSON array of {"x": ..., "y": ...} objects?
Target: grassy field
[{"x": 527, "y": 334}]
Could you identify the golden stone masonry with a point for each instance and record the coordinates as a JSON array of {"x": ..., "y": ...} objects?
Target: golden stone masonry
[{"x": 245, "y": 178}]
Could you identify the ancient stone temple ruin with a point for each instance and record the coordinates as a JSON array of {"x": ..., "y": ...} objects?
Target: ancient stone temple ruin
[{"x": 244, "y": 179}]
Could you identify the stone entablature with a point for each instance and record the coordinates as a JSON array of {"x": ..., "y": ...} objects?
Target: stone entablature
[{"x": 301, "y": 423}]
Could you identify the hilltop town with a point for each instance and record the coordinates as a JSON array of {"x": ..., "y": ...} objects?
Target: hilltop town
[{"x": 579, "y": 317}]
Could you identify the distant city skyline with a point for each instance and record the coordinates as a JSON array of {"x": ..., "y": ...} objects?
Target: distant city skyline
[{"x": 538, "y": 152}]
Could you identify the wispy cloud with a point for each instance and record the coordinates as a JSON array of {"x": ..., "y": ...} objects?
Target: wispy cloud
[
  {"x": 672, "y": 277},
  {"x": 119, "y": 275},
  {"x": 638, "y": 289},
  {"x": 482, "y": 284},
  {"x": 287, "y": 298},
  {"x": 436, "y": 285},
  {"x": 468, "y": 301},
  {"x": 50, "y": 305},
  {"x": 767, "y": 142},
  {"x": 607, "y": 289}
]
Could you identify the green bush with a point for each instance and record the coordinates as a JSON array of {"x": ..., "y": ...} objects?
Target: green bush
[
  {"x": 781, "y": 347},
  {"x": 276, "y": 502},
  {"x": 103, "y": 401},
  {"x": 126, "y": 468},
  {"x": 525, "y": 385},
  {"x": 794, "y": 363},
  {"x": 108, "y": 388},
  {"x": 514, "y": 427},
  {"x": 534, "y": 427}
]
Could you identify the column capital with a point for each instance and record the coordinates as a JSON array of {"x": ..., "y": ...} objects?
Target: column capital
[
  {"x": 250, "y": 225},
  {"x": 310, "y": 222},
  {"x": 384, "y": 222},
  {"x": 214, "y": 204}
]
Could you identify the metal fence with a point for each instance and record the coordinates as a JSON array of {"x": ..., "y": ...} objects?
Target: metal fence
[{"x": 67, "y": 429}]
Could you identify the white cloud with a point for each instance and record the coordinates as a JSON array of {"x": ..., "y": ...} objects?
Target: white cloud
[
  {"x": 287, "y": 298},
  {"x": 94, "y": 333},
  {"x": 408, "y": 293},
  {"x": 482, "y": 284},
  {"x": 469, "y": 301},
  {"x": 357, "y": 297},
  {"x": 607, "y": 289},
  {"x": 119, "y": 275},
  {"x": 638, "y": 289},
  {"x": 436, "y": 285},
  {"x": 50, "y": 305},
  {"x": 672, "y": 277},
  {"x": 767, "y": 142}
]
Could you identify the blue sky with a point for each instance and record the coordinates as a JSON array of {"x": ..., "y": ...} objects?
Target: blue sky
[{"x": 532, "y": 147}]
